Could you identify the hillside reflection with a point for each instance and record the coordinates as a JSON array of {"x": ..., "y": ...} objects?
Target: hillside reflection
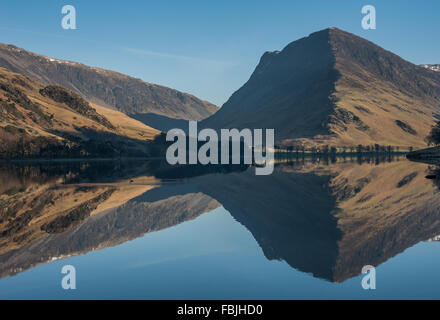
[{"x": 327, "y": 217}]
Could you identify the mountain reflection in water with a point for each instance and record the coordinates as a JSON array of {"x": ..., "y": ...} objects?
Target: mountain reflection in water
[{"x": 327, "y": 217}]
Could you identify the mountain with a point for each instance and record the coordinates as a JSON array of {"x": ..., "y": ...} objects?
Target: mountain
[
  {"x": 335, "y": 88},
  {"x": 38, "y": 120},
  {"x": 156, "y": 105}
]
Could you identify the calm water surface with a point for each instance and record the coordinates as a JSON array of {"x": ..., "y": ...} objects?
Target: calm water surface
[{"x": 143, "y": 230}]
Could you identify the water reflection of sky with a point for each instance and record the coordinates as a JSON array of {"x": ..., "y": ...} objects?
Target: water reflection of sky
[
  {"x": 215, "y": 257},
  {"x": 230, "y": 255}
]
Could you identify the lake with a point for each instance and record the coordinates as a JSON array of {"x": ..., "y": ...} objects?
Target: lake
[{"x": 144, "y": 230}]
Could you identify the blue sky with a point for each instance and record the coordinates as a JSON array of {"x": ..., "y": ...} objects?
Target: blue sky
[{"x": 208, "y": 48}]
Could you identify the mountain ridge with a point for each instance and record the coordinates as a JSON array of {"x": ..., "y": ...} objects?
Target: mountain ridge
[
  {"x": 333, "y": 87},
  {"x": 104, "y": 87}
]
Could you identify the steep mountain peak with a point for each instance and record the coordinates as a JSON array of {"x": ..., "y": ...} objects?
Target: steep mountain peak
[{"x": 334, "y": 87}]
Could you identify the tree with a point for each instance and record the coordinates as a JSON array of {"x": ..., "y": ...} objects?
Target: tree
[
  {"x": 376, "y": 148},
  {"x": 433, "y": 137}
]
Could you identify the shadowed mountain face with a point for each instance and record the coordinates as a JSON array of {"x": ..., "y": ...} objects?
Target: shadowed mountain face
[
  {"x": 107, "y": 88},
  {"x": 327, "y": 219},
  {"x": 292, "y": 86},
  {"x": 335, "y": 88}
]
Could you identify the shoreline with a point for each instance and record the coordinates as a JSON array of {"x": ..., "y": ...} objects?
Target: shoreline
[{"x": 79, "y": 159}]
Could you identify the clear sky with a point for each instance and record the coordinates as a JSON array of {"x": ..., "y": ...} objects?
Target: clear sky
[{"x": 205, "y": 47}]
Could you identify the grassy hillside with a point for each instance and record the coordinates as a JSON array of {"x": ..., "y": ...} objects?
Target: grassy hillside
[
  {"x": 51, "y": 121},
  {"x": 107, "y": 88}
]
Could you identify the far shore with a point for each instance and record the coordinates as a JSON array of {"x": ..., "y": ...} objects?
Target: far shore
[
  {"x": 292, "y": 154},
  {"x": 36, "y": 160}
]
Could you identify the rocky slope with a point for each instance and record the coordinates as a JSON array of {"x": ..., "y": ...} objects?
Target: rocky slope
[
  {"x": 51, "y": 121},
  {"x": 144, "y": 101}
]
